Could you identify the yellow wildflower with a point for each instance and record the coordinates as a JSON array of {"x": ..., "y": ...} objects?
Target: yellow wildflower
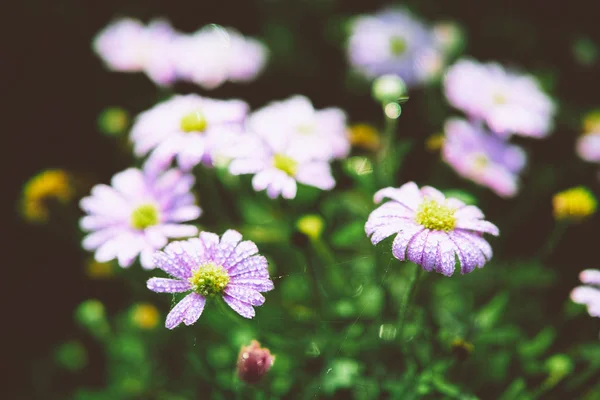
[
  {"x": 50, "y": 184},
  {"x": 575, "y": 204}
]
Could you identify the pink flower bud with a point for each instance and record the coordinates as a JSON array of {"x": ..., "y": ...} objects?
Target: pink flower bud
[{"x": 254, "y": 362}]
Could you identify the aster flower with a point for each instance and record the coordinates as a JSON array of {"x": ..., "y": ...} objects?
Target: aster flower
[
  {"x": 393, "y": 42},
  {"x": 431, "y": 230},
  {"x": 137, "y": 214},
  {"x": 482, "y": 157},
  {"x": 214, "y": 55},
  {"x": 589, "y": 293},
  {"x": 53, "y": 184},
  {"x": 321, "y": 134},
  {"x": 189, "y": 128},
  {"x": 129, "y": 46},
  {"x": 508, "y": 102},
  {"x": 208, "y": 267}
]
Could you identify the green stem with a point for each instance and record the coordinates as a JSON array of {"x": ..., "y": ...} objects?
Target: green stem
[
  {"x": 557, "y": 233},
  {"x": 335, "y": 280},
  {"x": 385, "y": 171},
  {"x": 408, "y": 294}
]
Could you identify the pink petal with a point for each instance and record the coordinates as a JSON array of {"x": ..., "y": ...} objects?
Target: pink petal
[
  {"x": 244, "y": 309},
  {"x": 245, "y": 294},
  {"x": 164, "y": 285},
  {"x": 403, "y": 238},
  {"x": 188, "y": 310}
]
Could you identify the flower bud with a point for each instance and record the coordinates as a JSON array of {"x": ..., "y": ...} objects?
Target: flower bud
[
  {"x": 311, "y": 225},
  {"x": 254, "y": 362},
  {"x": 388, "y": 88}
]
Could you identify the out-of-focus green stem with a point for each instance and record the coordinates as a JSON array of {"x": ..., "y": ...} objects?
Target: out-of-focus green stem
[
  {"x": 408, "y": 294},
  {"x": 334, "y": 280},
  {"x": 385, "y": 173}
]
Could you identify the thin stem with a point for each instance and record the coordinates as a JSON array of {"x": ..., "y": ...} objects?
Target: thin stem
[
  {"x": 385, "y": 172},
  {"x": 335, "y": 280},
  {"x": 557, "y": 233},
  {"x": 408, "y": 294}
]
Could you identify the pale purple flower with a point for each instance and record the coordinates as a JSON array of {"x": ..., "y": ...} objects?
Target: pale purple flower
[
  {"x": 137, "y": 214},
  {"x": 211, "y": 267},
  {"x": 394, "y": 42},
  {"x": 321, "y": 134},
  {"x": 431, "y": 230},
  {"x": 129, "y": 46},
  {"x": 509, "y": 103},
  {"x": 189, "y": 128},
  {"x": 589, "y": 293},
  {"x": 214, "y": 54},
  {"x": 588, "y": 147},
  {"x": 482, "y": 157}
]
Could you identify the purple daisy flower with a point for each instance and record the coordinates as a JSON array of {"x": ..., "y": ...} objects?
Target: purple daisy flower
[
  {"x": 137, "y": 214},
  {"x": 127, "y": 45},
  {"x": 588, "y": 147},
  {"x": 189, "y": 128},
  {"x": 588, "y": 294},
  {"x": 431, "y": 231},
  {"x": 482, "y": 157},
  {"x": 393, "y": 42},
  {"x": 322, "y": 134},
  {"x": 208, "y": 267},
  {"x": 508, "y": 102},
  {"x": 214, "y": 55}
]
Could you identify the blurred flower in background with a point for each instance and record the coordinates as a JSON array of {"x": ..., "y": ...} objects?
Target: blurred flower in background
[
  {"x": 137, "y": 214},
  {"x": 215, "y": 54},
  {"x": 127, "y": 45},
  {"x": 509, "y": 103},
  {"x": 482, "y": 157},
  {"x": 588, "y": 144},
  {"x": 589, "y": 293},
  {"x": 208, "y": 57},
  {"x": 430, "y": 229},
  {"x": 40, "y": 190},
  {"x": 189, "y": 128},
  {"x": 364, "y": 136},
  {"x": 254, "y": 362},
  {"x": 208, "y": 267},
  {"x": 574, "y": 204},
  {"x": 144, "y": 316},
  {"x": 393, "y": 41}
]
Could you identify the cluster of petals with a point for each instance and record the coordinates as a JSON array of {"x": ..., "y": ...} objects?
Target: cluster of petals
[
  {"x": 482, "y": 157},
  {"x": 393, "y": 41},
  {"x": 288, "y": 142},
  {"x": 137, "y": 214},
  {"x": 508, "y": 102},
  {"x": 208, "y": 57},
  {"x": 188, "y": 128},
  {"x": 588, "y": 146},
  {"x": 460, "y": 243},
  {"x": 245, "y": 271},
  {"x": 589, "y": 293}
]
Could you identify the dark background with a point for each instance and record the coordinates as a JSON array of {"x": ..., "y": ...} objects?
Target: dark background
[{"x": 54, "y": 87}]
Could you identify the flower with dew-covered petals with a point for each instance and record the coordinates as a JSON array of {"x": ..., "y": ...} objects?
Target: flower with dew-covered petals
[
  {"x": 482, "y": 157},
  {"x": 137, "y": 214},
  {"x": 53, "y": 184},
  {"x": 189, "y": 128},
  {"x": 127, "y": 45},
  {"x": 431, "y": 230},
  {"x": 209, "y": 266},
  {"x": 509, "y": 103},
  {"x": 393, "y": 42},
  {"x": 214, "y": 55},
  {"x": 321, "y": 134},
  {"x": 589, "y": 293},
  {"x": 574, "y": 204}
]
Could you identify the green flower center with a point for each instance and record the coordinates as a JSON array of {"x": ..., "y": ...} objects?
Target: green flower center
[
  {"x": 285, "y": 164},
  {"x": 193, "y": 122},
  {"x": 144, "y": 216},
  {"x": 305, "y": 129},
  {"x": 209, "y": 279},
  {"x": 435, "y": 216},
  {"x": 397, "y": 45}
]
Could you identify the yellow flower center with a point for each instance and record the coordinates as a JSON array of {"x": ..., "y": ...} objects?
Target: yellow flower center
[
  {"x": 499, "y": 99},
  {"x": 575, "y": 203},
  {"x": 305, "y": 129},
  {"x": 480, "y": 161},
  {"x": 285, "y": 164},
  {"x": 397, "y": 45},
  {"x": 435, "y": 216},
  {"x": 193, "y": 122},
  {"x": 144, "y": 216},
  {"x": 209, "y": 279}
]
